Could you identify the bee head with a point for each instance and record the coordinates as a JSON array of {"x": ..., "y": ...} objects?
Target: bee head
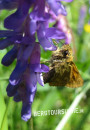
[{"x": 64, "y": 53}]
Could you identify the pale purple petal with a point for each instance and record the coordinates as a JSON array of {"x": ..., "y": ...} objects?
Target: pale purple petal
[
  {"x": 40, "y": 79},
  {"x": 39, "y": 68},
  {"x": 54, "y": 33},
  {"x": 26, "y": 111},
  {"x": 44, "y": 41},
  {"x": 57, "y": 7}
]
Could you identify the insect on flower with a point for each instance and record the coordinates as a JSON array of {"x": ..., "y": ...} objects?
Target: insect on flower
[{"x": 63, "y": 71}]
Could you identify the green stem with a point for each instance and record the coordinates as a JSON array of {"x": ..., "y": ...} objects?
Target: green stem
[
  {"x": 4, "y": 78},
  {"x": 78, "y": 98},
  {"x": 5, "y": 115},
  {"x": 31, "y": 124}
]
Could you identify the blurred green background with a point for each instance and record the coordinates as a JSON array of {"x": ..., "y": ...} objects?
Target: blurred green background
[{"x": 52, "y": 98}]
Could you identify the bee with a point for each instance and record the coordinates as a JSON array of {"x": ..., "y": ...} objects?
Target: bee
[{"x": 63, "y": 71}]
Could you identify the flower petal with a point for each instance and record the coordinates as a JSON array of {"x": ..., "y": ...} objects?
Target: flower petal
[
  {"x": 44, "y": 41},
  {"x": 10, "y": 56},
  {"x": 7, "y": 33},
  {"x": 17, "y": 73},
  {"x": 35, "y": 56},
  {"x": 11, "y": 90},
  {"x": 33, "y": 26},
  {"x": 45, "y": 68},
  {"x": 17, "y": 98},
  {"x": 26, "y": 111},
  {"x": 16, "y": 20},
  {"x": 57, "y": 7},
  {"x": 5, "y": 43},
  {"x": 54, "y": 33},
  {"x": 8, "y": 4},
  {"x": 39, "y": 68},
  {"x": 40, "y": 79}
]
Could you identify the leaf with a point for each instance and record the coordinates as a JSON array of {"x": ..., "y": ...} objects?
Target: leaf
[{"x": 3, "y": 114}]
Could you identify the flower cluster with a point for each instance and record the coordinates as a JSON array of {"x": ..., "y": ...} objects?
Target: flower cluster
[{"x": 28, "y": 23}]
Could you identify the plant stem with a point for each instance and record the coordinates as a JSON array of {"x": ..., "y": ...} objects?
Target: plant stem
[{"x": 78, "y": 98}]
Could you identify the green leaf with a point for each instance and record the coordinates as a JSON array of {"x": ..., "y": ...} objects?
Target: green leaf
[{"x": 3, "y": 114}]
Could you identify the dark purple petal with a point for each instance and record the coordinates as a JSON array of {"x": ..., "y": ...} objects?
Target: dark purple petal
[
  {"x": 10, "y": 56},
  {"x": 16, "y": 20},
  {"x": 8, "y": 4},
  {"x": 31, "y": 86},
  {"x": 5, "y": 43},
  {"x": 31, "y": 81},
  {"x": 31, "y": 90},
  {"x": 26, "y": 111},
  {"x": 17, "y": 73},
  {"x": 28, "y": 40},
  {"x": 11, "y": 90},
  {"x": 6, "y": 33},
  {"x": 17, "y": 98},
  {"x": 54, "y": 33},
  {"x": 38, "y": 12},
  {"x": 35, "y": 56},
  {"x": 27, "y": 52}
]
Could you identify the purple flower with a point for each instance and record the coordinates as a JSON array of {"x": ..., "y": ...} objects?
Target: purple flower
[
  {"x": 26, "y": 89},
  {"x": 23, "y": 30},
  {"x": 45, "y": 36},
  {"x": 57, "y": 7},
  {"x": 8, "y": 4},
  {"x": 10, "y": 38},
  {"x": 16, "y": 20}
]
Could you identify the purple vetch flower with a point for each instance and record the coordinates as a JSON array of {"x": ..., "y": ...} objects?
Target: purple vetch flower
[
  {"x": 57, "y": 7},
  {"x": 8, "y": 4},
  {"x": 26, "y": 88},
  {"x": 10, "y": 38},
  {"x": 15, "y": 20},
  {"x": 10, "y": 56},
  {"x": 22, "y": 62},
  {"x": 24, "y": 28},
  {"x": 45, "y": 36},
  {"x": 38, "y": 14}
]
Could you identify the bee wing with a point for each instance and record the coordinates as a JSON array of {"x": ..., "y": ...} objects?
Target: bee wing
[
  {"x": 48, "y": 76},
  {"x": 75, "y": 77},
  {"x": 56, "y": 78}
]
